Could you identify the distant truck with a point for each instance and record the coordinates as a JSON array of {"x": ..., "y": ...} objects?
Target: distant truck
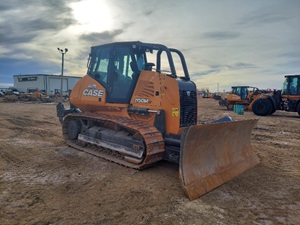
[{"x": 288, "y": 99}]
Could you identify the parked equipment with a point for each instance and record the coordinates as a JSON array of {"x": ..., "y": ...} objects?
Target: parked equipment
[
  {"x": 242, "y": 95},
  {"x": 133, "y": 112},
  {"x": 287, "y": 99}
]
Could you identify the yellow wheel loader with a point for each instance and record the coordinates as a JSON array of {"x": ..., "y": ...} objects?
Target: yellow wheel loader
[
  {"x": 137, "y": 106},
  {"x": 287, "y": 99},
  {"x": 242, "y": 95}
]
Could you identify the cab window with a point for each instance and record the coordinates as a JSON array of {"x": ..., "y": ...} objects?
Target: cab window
[
  {"x": 294, "y": 86},
  {"x": 121, "y": 76},
  {"x": 99, "y": 65}
]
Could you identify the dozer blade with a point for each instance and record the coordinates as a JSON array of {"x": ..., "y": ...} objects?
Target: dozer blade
[{"x": 212, "y": 154}]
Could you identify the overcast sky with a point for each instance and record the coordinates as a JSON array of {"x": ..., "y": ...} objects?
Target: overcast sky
[{"x": 225, "y": 42}]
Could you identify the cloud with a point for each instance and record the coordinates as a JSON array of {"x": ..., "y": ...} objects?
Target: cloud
[
  {"x": 291, "y": 66},
  {"x": 240, "y": 65},
  {"x": 290, "y": 55},
  {"x": 101, "y": 38},
  {"x": 263, "y": 17},
  {"x": 235, "y": 66},
  {"x": 24, "y": 21},
  {"x": 221, "y": 68},
  {"x": 221, "y": 35},
  {"x": 278, "y": 11}
]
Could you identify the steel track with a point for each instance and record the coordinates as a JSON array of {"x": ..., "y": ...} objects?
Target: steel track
[{"x": 152, "y": 138}]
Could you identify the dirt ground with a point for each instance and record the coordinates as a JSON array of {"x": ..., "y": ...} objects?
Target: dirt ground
[{"x": 43, "y": 181}]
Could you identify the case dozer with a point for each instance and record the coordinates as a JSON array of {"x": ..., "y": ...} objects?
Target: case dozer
[{"x": 135, "y": 107}]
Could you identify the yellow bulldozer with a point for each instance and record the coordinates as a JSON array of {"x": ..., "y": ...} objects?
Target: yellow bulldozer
[{"x": 137, "y": 105}]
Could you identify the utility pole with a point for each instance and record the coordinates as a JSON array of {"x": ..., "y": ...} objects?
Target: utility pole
[{"x": 62, "y": 52}]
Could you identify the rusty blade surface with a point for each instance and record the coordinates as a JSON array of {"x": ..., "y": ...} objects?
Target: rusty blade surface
[{"x": 212, "y": 154}]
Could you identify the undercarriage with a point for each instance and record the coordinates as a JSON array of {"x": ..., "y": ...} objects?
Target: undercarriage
[{"x": 121, "y": 140}]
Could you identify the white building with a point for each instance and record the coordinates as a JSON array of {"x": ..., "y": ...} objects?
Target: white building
[{"x": 45, "y": 82}]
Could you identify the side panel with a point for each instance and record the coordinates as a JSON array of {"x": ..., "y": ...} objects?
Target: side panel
[
  {"x": 291, "y": 97},
  {"x": 233, "y": 98},
  {"x": 146, "y": 95},
  {"x": 147, "y": 92},
  {"x": 88, "y": 91},
  {"x": 171, "y": 104},
  {"x": 90, "y": 96},
  {"x": 156, "y": 91}
]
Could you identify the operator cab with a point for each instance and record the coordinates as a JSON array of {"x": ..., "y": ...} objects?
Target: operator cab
[
  {"x": 291, "y": 85},
  {"x": 244, "y": 91},
  {"x": 117, "y": 69},
  {"x": 117, "y": 66}
]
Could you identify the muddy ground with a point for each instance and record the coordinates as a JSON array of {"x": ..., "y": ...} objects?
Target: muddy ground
[{"x": 43, "y": 181}]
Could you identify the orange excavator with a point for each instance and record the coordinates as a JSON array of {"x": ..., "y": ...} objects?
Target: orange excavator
[{"x": 137, "y": 106}]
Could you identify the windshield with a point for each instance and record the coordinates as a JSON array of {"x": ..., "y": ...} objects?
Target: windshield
[
  {"x": 291, "y": 86},
  {"x": 285, "y": 87},
  {"x": 294, "y": 86}
]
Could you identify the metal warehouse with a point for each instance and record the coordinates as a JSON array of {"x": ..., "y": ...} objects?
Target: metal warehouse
[{"x": 46, "y": 82}]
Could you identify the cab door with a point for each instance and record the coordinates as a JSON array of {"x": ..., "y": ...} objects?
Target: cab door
[
  {"x": 121, "y": 77},
  {"x": 116, "y": 67}
]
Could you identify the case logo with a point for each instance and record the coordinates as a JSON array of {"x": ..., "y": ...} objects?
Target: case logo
[{"x": 93, "y": 92}]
